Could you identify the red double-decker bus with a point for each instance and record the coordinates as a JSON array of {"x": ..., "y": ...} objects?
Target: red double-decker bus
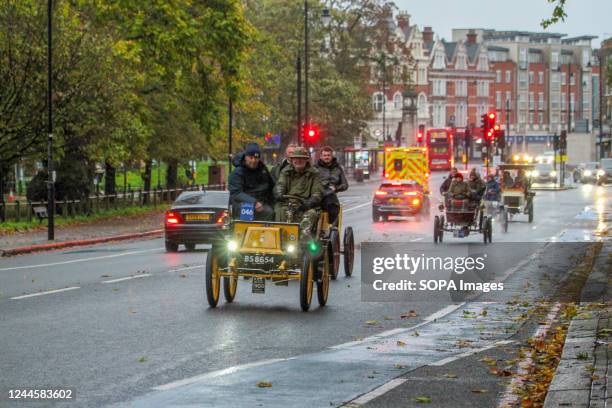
[{"x": 440, "y": 146}]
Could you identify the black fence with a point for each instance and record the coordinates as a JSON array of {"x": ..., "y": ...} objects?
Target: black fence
[{"x": 37, "y": 210}]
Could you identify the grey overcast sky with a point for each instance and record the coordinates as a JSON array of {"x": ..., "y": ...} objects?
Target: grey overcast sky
[{"x": 585, "y": 17}]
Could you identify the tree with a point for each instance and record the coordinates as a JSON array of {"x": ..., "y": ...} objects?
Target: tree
[{"x": 558, "y": 13}]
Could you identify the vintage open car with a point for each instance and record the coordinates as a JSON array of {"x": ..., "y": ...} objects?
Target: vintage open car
[
  {"x": 461, "y": 217},
  {"x": 516, "y": 194},
  {"x": 279, "y": 252}
]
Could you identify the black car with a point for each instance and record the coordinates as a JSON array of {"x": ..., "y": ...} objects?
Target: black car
[
  {"x": 196, "y": 217},
  {"x": 401, "y": 198}
]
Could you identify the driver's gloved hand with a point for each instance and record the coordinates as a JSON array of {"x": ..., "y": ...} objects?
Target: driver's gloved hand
[{"x": 304, "y": 206}]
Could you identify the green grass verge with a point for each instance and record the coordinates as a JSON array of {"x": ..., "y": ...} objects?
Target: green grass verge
[{"x": 12, "y": 227}]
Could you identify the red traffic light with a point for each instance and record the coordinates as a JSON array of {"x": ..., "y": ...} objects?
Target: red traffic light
[
  {"x": 492, "y": 116},
  {"x": 311, "y": 133}
]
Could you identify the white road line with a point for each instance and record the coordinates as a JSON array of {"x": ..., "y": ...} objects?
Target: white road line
[
  {"x": 186, "y": 268},
  {"x": 511, "y": 397},
  {"x": 416, "y": 239},
  {"x": 377, "y": 392},
  {"x": 217, "y": 373},
  {"x": 142, "y": 275},
  {"x": 447, "y": 360},
  {"x": 45, "y": 293},
  {"x": 95, "y": 258},
  {"x": 356, "y": 207},
  {"x": 434, "y": 316}
]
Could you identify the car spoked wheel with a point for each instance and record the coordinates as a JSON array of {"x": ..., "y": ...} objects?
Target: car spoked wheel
[
  {"x": 323, "y": 278},
  {"x": 349, "y": 251},
  {"x": 213, "y": 281},
  {"x": 334, "y": 253},
  {"x": 230, "y": 286},
  {"x": 436, "y": 229},
  {"x": 306, "y": 282}
]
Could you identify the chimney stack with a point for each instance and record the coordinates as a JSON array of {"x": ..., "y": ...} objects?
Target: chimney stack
[
  {"x": 471, "y": 37},
  {"x": 403, "y": 20},
  {"x": 428, "y": 35}
]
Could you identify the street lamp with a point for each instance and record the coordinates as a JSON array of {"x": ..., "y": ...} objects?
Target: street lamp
[
  {"x": 50, "y": 172},
  {"x": 326, "y": 16}
]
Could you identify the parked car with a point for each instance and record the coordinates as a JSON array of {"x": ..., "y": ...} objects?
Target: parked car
[
  {"x": 586, "y": 172},
  {"x": 544, "y": 173},
  {"x": 196, "y": 217},
  {"x": 604, "y": 174}
]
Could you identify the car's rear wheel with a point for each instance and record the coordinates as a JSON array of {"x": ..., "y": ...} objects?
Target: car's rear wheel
[
  {"x": 323, "y": 281},
  {"x": 436, "y": 229},
  {"x": 334, "y": 253},
  {"x": 171, "y": 246},
  {"x": 349, "y": 251},
  {"x": 375, "y": 215}
]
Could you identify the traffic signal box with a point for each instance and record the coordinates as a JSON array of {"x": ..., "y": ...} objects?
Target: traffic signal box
[{"x": 408, "y": 163}]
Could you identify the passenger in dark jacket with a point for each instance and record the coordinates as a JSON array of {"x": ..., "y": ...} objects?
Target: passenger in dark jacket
[
  {"x": 492, "y": 192},
  {"x": 251, "y": 182},
  {"x": 447, "y": 182},
  {"x": 334, "y": 181},
  {"x": 276, "y": 170}
]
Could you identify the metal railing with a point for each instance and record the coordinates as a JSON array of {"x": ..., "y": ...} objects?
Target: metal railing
[{"x": 97, "y": 203}]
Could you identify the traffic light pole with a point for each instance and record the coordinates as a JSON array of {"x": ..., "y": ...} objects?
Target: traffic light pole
[
  {"x": 50, "y": 181},
  {"x": 298, "y": 139}
]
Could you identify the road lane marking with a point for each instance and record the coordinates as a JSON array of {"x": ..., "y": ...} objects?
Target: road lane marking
[
  {"x": 48, "y": 292},
  {"x": 511, "y": 397},
  {"x": 95, "y": 258},
  {"x": 416, "y": 239},
  {"x": 142, "y": 275},
  {"x": 377, "y": 392},
  {"x": 447, "y": 360},
  {"x": 356, "y": 207},
  {"x": 186, "y": 268},
  {"x": 217, "y": 373},
  {"x": 434, "y": 316}
]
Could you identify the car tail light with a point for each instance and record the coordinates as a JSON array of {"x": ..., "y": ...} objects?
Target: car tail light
[
  {"x": 416, "y": 201},
  {"x": 381, "y": 193},
  {"x": 222, "y": 217},
  {"x": 410, "y": 193},
  {"x": 172, "y": 218}
]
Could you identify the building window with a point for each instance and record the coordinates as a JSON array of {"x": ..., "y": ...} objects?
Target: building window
[
  {"x": 540, "y": 118},
  {"x": 531, "y": 77},
  {"x": 439, "y": 115},
  {"x": 531, "y": 101},
  {"x": 461, "y": 87},
  {"x": 509, "y": 97},
  {"x": 522, "y": 101},
  {"x": 554, "y": 118},
  {"x": 439, "y": 61},
  {"x": 498, "y": 100},
  {"x": 523, "y": 80},
  {"x": 483, "y": 63},
  {"x": 541, "y": 77},
  {"x": 522, "y": 117},
  {"x": 531, "y": 118},
  {"x": 554, "y": 101},
  {"x": 541, "y": 100},
  {"x": 422, "y": 77},
  {"x": 422, "y": 105},
  {"x": 563, "y": 78},
  {"x": 379, "y": 100},
  {"x": 397, "y": 101},
  {"x": 439, "y": 87},
  {"x": 498, "y": 77},
  {"x": 554, "y": 81},
  {"x": 461, "y": 62},
  {"x": 508, "y": 77},
  {"x": 523, "y": 58},
  {"x": 563, "y": 99},
  {"x": 554, "y": 60}
]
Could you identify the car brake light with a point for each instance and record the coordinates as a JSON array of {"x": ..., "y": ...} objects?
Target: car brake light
[
  {"x": 410, "y": 193},
  {"x": 416, "y": 201},
  {"x": 172, "y": 218},
  {"x": 222, "y": 217},
  {"x": 381, "y": 193}
]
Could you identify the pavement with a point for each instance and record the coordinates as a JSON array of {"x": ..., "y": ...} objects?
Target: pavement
[
  {"x": 127, "y": 324},
  {"x": 582, "y": 376}
]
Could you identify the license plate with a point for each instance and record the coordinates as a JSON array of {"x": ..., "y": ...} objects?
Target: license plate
[
  {"x": 258, "y": 259},
  {"x": 259, "y": 285},
  {"x": 395, "y": 201},
  {"x": 197, "y": 217}
]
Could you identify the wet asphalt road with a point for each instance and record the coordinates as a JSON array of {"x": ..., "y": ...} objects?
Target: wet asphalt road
[{"x": 131, "y": 321}]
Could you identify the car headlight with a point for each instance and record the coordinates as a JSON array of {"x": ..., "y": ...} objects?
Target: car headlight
[
  {"x": 600, "y": 172},
  {"x": 232, "y": 246},
  {"x": 515, "y": 157},
  {"x": 535, "y": 173},
  {"x": 291, "y": 248},
  {"x": 553, "y": 173},
  {"x": 588, "y": 173},
  {"x": 529, "y": 173}
]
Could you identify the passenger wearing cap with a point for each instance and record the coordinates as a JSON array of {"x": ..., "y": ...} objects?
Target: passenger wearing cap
[
  {"x": 302, "y": 180},
  {"x": 251, "y": 182},
  {"x": 458, "y": 189}
]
